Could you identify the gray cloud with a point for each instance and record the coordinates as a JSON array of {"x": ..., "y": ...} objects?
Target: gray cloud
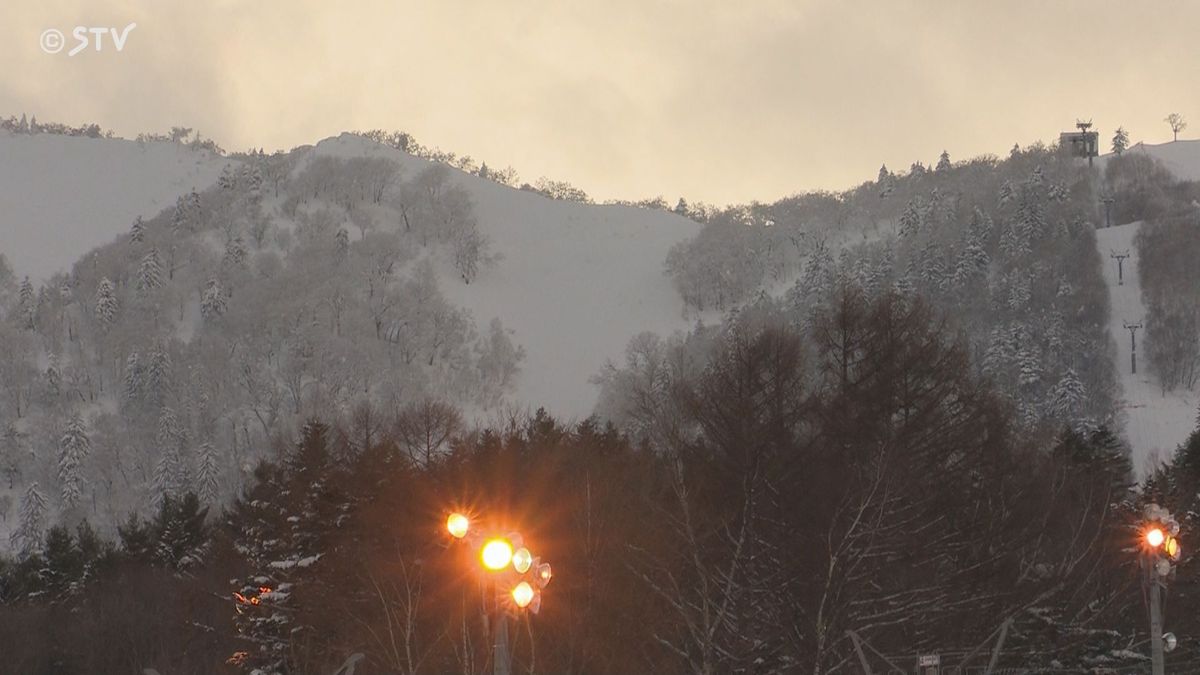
[{"x": 713, "y": 100}]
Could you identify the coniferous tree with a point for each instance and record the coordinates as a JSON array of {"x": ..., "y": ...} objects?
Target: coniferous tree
[
  {"x": 1120, "y": 141},
  {"x": 132, "y": 379},
  {"x": 181, "y": 531},
  {"x": 27, "y": 538},
  {"x": 212, "y": 300},
  {"x": 1067, "y": 396},
  {"x": 137, "y": 231},
  {"x": 74, "y": 447},
  {"x": 27, "y": 304},
  {"x": 157, "y": 376},
  {"x": 910, "y": 220},
  {"x": 207, "y": 473},
  {"x": 106, "y": 303},
  {"x": 944, "y": 164},
  {"x": 149, "y": 275},
  {"x": 341, "y": 245}
]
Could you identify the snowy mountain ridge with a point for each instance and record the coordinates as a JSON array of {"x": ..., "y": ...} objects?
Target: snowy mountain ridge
[{"x": 61, "y": 196}]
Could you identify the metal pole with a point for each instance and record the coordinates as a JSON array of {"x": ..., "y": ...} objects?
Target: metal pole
[
  {"x": 1156, "y": 633},
  {"x": 501, "y": 660}
]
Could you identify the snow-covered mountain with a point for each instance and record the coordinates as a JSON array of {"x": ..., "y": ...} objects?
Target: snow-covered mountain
[
  {"x": 574, "y": 281},
  {"x": 61, "y": 196}
]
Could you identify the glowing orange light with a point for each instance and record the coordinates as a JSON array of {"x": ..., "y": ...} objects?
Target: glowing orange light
[
  {"x": 1155, "y": 537},
  {"x": 496, "y": 554},
  {"x": 522, "y": 594},
  {"x": 264, "y": 589},
  {"x": 521, "y": 560},
  {"x": 240, "y": 598},
  {"x": 458, "y": 524}
]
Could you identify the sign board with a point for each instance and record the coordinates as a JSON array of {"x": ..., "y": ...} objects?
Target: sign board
[{"x": 929, "y": 660}]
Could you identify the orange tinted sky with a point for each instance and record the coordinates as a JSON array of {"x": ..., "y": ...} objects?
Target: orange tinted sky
[{"x": 719, "y": 101}]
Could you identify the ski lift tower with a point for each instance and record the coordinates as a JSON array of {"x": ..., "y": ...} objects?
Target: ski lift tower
[{"x": 1082, "y": 143}]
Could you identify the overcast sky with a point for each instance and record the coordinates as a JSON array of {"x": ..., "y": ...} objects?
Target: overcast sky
[{"x": 719, "y": 101}]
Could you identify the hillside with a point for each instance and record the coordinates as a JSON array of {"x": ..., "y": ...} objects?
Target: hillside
[
  {"x": 61, "y": 196},
  {"x": 1181, "y": 157},
  {"x": 574, "y": 281},
  {"x": 1155, "y": 423},
  {"x": 247, "y": 300}
]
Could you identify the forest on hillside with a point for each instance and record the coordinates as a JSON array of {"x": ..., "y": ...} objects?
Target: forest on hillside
[
  {"x": 230, "y": 438},
  {"x": 185, "y": 351},
  {"x": 1003, "y": 248},
  {"x": 794, "y": 481}
]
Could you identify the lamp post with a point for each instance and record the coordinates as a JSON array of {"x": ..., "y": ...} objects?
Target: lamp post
[
  {"x": 505, "y": 563},
  {"x": 1160, "y": 548}
]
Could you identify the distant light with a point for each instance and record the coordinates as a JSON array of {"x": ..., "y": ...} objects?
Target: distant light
[
  {"x": 1155, "y": 537},
  {"x": 496, "y": 554},
  {"x": 458, "y": 524},
  {"x": 521, "y": 560},
  {"x": 522, "y": 594},
  {"x": 544, "y": 574}
]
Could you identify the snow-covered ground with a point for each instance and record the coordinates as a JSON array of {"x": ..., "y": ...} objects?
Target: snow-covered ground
[
  {"x": 62, "y": 196},
  {"x": 575, "y": 283},
  {"x": 1181, "y": 157},
  {"x": 1155, "y": 423}
]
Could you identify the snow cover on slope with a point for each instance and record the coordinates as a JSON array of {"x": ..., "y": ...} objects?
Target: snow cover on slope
[
  {"x": 61, "y": 196},
  {"x": 575, "y": 283},
  {"x": 1155, "y": 422},
  {"x": 1181, "y": 157}
]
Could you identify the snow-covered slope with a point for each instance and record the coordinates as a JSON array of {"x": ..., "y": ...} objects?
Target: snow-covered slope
[
  {"x": 1155, "y": 422},
  {"x": 1181, "y": 157},
  {"x": 61, "y": 196},
  {"x": 576, "y": 281}
]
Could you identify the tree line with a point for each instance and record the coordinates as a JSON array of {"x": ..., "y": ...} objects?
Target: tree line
[{"x": 759, "y": 492}]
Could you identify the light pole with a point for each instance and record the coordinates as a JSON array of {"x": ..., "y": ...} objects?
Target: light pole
[
  {"x": 507, "y": 564},
  {"x": 1160, "y": 547}
]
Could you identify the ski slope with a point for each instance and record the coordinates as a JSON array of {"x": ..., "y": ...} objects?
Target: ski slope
[
  {"x": 575, "y": 281},
  {"x": 1181, "y": 157},
  {"x": 1155, "y": 423},
  {"x": 62, "y": 196}
]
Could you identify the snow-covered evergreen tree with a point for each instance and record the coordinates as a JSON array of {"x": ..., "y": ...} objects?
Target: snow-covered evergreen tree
[
  {"x": 341, "y": 244},
  {"x": 910, "y": 220},
  {"x": 106, "y": 302},
  {"x": 157, "y": 374},
  {"x": 943, "y": 164},
  {"x": 27, "y": 303},
  {"x": 212, "y": 300},
  {"x": 74, "y": 447},
  {"x": 137, "y": 231},
  {"x": 132, "y": 378},
  {"x": 1120, "y": 140},
  {"x": 1067, "y": 396},
  {"x": 53, "y": 375},
  {"x": 171, "y": 471},
  {"x": 28, "y": 537},
  {"x": 228, "y": 179},
  {"x": 1030, "y": 366},
  {"x": 150, "y": 271},
  {"x": 235, "y": 252},
  {"x": 206, "y": 473}
]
